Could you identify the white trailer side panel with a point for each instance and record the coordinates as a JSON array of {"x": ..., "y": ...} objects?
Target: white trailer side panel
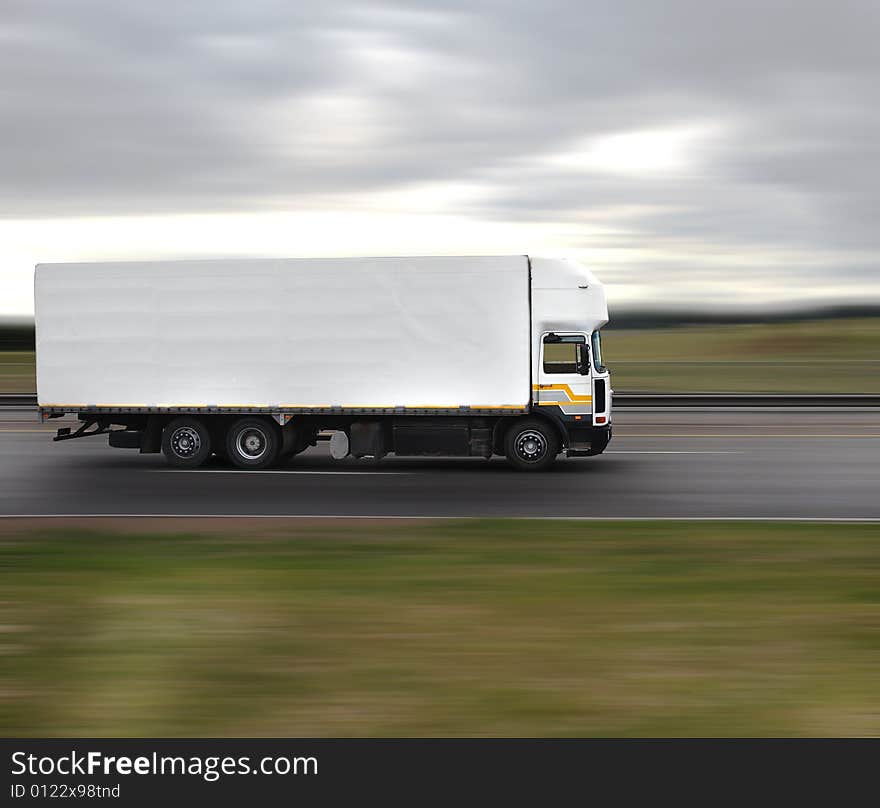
[{"x": 366, "y": 332}]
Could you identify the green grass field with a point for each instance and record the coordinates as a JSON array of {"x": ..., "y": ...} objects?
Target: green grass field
[
  {"x": 17, "y": 372},
  {"x": 821, "y": 356},
  {"x": 825, "y": 356},
  {"x": 446, "y": 628}
]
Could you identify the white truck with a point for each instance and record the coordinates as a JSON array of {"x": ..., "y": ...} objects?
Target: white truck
[{"x": 256, "y": 360}]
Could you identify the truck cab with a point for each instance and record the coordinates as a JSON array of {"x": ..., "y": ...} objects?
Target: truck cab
[{"x": 570, "y": 383}]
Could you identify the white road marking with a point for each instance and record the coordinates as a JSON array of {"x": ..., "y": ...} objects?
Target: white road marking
[
  {"x": 737, "y": 435},
  {"x": 670, "y": 452},
  {"x": 270, "y": 471},
  {"x": 618, "y": 436},
  {"x": 803, "y": 519}
]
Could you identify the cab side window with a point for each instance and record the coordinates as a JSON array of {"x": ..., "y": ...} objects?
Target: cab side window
[{"x": 564, "y": 354}]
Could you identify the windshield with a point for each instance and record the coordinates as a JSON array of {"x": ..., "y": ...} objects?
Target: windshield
[{"x": 597, "y": 352}]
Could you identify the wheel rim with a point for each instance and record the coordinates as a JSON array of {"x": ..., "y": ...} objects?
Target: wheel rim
[
  {"x": 252, "y": 443},
  {"x": 530, "y": 445},
  {"x": 185, "y": 442}
]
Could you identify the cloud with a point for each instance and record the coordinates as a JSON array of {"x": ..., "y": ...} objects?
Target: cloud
[{"x": 668, "y": 141}]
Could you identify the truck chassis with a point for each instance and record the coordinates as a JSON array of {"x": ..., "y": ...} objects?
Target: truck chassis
[{"x": 258, "y": 439}]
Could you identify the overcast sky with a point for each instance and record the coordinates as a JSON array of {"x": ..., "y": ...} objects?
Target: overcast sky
[{"x": 699, "y": 153}]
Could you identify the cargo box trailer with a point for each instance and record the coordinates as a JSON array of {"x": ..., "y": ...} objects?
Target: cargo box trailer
[{"x": 256, "y": 360}]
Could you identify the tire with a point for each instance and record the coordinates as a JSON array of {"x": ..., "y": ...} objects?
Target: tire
[
  {"x": 253, "y": 443},
  {"x": 186, "y": 443},
  {"x": 531, "y": 445}
]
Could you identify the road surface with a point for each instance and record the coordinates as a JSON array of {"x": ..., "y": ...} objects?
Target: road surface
[{"x": 661, "y": 463}]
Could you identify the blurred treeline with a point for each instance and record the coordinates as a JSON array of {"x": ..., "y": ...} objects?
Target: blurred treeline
[{"x": 16, "y": 335}]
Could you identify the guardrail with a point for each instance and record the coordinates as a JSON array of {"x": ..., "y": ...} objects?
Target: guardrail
[
  {"x": 18, "y": 400},
  {"x": 27, "y": 400}
]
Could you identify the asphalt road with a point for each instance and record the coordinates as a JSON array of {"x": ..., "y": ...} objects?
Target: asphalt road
[{"x": 661, "y": 463}]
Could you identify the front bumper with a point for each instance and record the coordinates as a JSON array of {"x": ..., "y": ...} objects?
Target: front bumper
[{"x": 584, "y": 441}]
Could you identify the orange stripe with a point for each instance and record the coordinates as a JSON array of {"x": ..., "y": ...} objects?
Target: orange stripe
[{"x": 565, "y": 388}]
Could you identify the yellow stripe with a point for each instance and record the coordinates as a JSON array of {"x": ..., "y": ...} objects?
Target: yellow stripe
[
  {"x": 565, "y": 388},
  {"x": 428, "y": 406},
  {"x": 433, "y": 406},
  {"x": 399, "y": 407}
]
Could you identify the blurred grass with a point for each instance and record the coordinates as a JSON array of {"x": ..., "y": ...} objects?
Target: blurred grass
[
  {"x": 17, "y": 373},
  {"x": 819, "y": 356},
  {"x": 810, "y": 356},
  {"x": 448, "y": 628}
]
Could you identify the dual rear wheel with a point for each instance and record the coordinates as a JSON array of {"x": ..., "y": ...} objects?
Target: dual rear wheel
[{"x": 249, "y": 443}]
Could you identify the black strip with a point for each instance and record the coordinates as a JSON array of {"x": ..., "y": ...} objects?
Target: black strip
[
  {"x": 452, "y": 772},
  {"x": 599, "y": 396}
]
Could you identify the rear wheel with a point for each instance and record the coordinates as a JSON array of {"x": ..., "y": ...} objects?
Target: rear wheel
[
  {"x": 186, "y": 443},
  {"x": 253, "y": 443},
  {"x": 531, "y": 445}
]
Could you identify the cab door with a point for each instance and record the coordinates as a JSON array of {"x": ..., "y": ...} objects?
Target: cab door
[{"x": 564, "y": 373}]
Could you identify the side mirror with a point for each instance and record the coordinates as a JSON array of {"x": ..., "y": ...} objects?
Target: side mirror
[{"x": 583, "y": 359}]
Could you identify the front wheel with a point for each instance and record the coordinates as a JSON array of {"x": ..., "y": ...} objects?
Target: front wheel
[
  {"x": 531, "y": 445},
  {"x": 186, "y": 443},
  {"x": 253, "y": 443}
]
